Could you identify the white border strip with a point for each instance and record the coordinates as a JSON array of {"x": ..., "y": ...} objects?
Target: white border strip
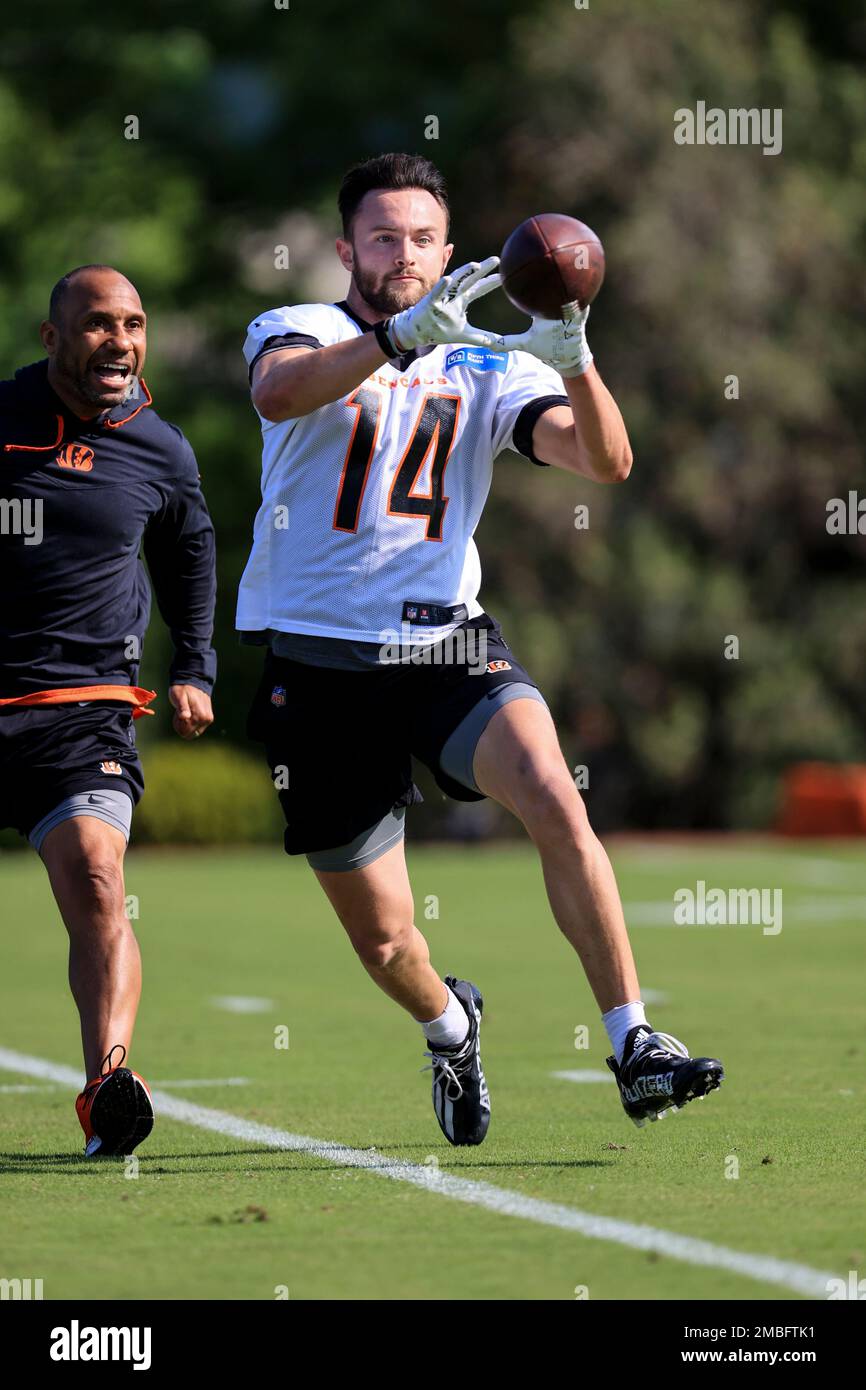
[{"x": 800, "y": 1279}]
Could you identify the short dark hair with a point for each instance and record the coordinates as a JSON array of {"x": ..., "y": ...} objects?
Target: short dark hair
[
  {"x": 390, "y": 171},
  {"x": 58, "y": 294}
]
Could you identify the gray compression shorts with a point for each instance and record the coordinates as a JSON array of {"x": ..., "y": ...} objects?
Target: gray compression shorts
[
  {"x": 458, "y": 754},
  {"x": 369, "y": 845},
  {"x": 455, "y": 761},
  {"x": 115, "y": 808}
]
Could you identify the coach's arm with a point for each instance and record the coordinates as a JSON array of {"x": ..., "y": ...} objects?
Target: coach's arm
[
  {"x": 588, "y": 436},
  {"x": 180, "y": 554}
]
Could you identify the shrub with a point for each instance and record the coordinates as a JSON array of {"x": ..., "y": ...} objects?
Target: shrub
[{"x": 205, "y": 794}]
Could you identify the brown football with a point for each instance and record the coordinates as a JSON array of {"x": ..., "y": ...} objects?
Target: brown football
[{"x": 551, "y": 260}]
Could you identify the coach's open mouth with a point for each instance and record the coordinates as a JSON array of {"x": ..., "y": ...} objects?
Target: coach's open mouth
[{"x": 111, "y": 373}]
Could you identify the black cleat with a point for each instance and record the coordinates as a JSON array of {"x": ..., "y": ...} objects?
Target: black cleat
[
  {"x": 460, "y": 1096},
  {"x": 657, "y": 1074},
  {"x": 115, "y": 1111}
]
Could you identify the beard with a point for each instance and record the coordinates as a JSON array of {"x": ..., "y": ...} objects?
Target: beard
[
  {"x": 74, "y": 376},
  {"x": 78, "y": 382},
  {"x": 384, "y": 295}
]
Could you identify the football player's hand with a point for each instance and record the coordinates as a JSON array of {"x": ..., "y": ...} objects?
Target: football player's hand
[
  {"x": 440, "y": 317},
  {"x": 193, "y": 710},
  {"x": 560, "y": 343}
]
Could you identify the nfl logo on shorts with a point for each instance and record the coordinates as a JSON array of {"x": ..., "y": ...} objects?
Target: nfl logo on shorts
[{"x": 278, "y": 695}]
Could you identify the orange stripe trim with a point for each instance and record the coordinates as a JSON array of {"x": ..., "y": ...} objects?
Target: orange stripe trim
[
  {"x": 39, "y": 448},
  {"x": 116, "y": 424},
  {"x": 128, "y": 694},
  {"x": 109, "y": 425}
]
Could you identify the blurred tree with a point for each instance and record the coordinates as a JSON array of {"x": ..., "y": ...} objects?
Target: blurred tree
[{"x": 721, "y": 262}]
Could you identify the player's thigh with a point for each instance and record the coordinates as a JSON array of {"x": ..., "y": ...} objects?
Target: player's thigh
[
  {"x": 461, "y": 701},
  {"x": 519, "y": 763},
  {"x": 374, "y": 903},
  {"x": 84, "y": 860}
]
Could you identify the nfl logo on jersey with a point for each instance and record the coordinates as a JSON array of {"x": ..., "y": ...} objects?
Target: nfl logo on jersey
[
  {"x": 411, "y": 613},
  {"x": 278, "y": 695}
]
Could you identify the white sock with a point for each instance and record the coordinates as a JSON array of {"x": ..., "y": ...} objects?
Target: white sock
[
  {"x": 619, "y": 1023},
  {"x": 452, "y": 1025}
]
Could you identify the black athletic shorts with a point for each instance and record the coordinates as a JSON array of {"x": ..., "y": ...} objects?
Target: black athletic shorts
[
  {"x": 50, "y": 752},
  {"x": 343, "y": 740}
]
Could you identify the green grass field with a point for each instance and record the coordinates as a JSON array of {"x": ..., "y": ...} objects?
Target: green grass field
[{"x": 210, "y": 1216}]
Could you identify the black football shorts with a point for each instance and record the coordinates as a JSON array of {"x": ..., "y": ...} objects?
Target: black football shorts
[
  {"x": 51, "y": 752},
  {"x": 339, "y": 743}
]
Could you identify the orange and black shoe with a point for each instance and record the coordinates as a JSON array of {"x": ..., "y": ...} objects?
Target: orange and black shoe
[{"x": 115, "y": 1110}]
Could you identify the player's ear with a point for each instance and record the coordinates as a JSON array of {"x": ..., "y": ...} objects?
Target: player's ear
[
  {"x": 344, "y": 251},
  {"x": 48, "y": 334},
  {"x": 447, "y": 252}
]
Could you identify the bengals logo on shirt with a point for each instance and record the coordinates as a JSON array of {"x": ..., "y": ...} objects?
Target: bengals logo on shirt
[
  {"x": 111, "y": 769},
  {"x": 498, "y": 666},
  {"x": 76, "y": 456}
]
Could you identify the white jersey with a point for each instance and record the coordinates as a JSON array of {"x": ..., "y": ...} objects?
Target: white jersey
[{"x": 370, "y": 503}]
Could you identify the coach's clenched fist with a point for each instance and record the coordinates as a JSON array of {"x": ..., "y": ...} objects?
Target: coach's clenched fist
[{"x": 193, "y": 710}]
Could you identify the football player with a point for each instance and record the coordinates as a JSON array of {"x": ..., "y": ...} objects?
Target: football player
[{"x": 381, "y": 418}]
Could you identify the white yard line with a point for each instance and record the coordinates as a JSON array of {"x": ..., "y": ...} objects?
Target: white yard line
[
  {"x": 828, "y": 871},
  {"x": 650, "y": 914},
  {"x": 801, "y": 1279},
  {"x": 803, "y": 910},
  {"x": 826, "y": 909},
  {"x": 814, "y": 870},
  {"x": 586, "y": 1075},
  {"x": 242, "y": 1004},
  {"x": 654, "y": 996}
]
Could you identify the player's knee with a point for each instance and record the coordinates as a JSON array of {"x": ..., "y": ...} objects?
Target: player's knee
[
  {"x": 97, "y": 881},
  {"x": 379, "y": 952},
  {"x": 552, "y": 810}
]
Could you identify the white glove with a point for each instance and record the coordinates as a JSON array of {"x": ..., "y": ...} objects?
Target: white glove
[
  {"x": 440, "y": 317},
  {"x": 560, "y": 343}
]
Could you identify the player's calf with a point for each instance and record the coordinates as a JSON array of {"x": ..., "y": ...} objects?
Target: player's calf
[{"x": 84, "y": 859}]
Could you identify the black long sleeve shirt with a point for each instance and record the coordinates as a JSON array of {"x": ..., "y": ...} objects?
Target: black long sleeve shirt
[{"x": 79, "y": 501}]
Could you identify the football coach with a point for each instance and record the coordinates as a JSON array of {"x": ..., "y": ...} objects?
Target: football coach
[{"x": 91, "y": 477}]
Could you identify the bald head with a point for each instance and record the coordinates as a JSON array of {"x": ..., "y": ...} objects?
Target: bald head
[
  {"x": 85, "y": 279},
  {"x": 95, "y": 337}
]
